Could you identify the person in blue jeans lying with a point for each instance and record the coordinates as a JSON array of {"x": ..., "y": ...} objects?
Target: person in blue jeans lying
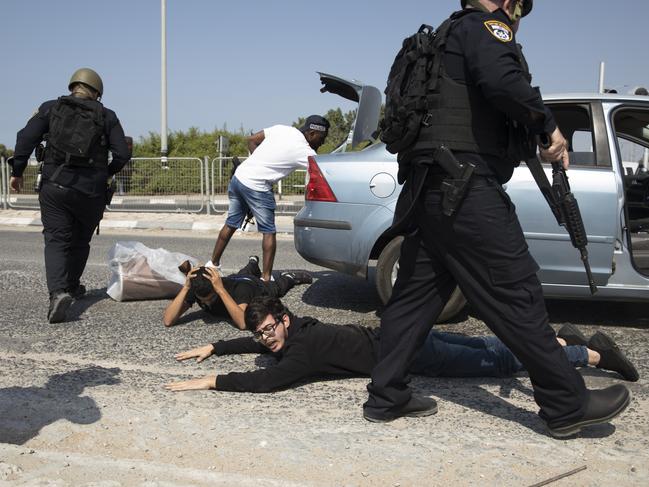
[{"x": 307, "y": 348}]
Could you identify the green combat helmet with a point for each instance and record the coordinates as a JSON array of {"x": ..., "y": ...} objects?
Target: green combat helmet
[{"x": 88, "y": 77}]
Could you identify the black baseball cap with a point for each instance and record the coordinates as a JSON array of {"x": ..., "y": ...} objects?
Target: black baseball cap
[{"x": 315, "y": 122}]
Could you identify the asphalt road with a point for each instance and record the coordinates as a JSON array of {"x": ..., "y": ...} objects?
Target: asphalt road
[{"x": 82, "y": 403}]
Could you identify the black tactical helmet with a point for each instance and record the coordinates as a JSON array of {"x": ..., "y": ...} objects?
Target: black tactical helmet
[
  {"x": 88, "y": 77},
  {"x": 527, "y": 5}
]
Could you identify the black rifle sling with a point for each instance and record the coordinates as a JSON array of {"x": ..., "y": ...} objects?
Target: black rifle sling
[{"x": 542, "y": 181}]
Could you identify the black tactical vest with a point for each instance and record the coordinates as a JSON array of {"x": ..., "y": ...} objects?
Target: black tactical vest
[
  {"x": 457, "y": 123},
  {"x": 460, "y": 118}
]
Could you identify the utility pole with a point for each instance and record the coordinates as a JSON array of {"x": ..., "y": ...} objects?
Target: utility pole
[{"x": 163, "y": 78}]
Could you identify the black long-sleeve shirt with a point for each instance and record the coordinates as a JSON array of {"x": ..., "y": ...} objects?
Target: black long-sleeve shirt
[
  {"x": 481, "y": 51},
  {"x": 311, "y": 349},
  {"x": 88, "y": 180}
]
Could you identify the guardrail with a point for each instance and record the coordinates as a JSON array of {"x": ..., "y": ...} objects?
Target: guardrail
[
  {"x": 145, "y": 184},
  {"x": 27, "y": 199},
  {"x": 3, "y": 184}
]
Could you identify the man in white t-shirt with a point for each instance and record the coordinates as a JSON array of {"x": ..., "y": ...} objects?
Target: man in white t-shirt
[{"x": 275, "y": 153}]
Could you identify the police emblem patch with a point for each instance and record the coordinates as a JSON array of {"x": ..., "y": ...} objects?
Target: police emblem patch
[{"x": 500, "y": 31}]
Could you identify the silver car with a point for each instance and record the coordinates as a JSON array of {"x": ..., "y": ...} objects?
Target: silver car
[{"x": 350, "y": 200}]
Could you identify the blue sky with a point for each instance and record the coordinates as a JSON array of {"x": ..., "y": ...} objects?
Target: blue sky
[{"x": 252, "y": 63}]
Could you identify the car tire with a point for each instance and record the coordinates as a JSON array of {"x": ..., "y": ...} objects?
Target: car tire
[{"x": 386, "y": 273}]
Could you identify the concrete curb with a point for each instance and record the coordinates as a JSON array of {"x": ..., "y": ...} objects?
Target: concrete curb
[{"x": 197, "y": 226}]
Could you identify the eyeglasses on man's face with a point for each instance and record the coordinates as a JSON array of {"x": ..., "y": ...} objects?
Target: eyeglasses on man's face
[{"x": 265, "y": 331}]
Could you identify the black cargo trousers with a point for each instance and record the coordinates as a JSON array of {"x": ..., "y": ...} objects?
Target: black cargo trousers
[
  {"x": 482, "y": 249},
  {"x": 69, "y": 219}
]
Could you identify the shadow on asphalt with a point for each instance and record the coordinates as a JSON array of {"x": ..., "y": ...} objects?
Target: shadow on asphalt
[
  {"x": 81, "y": 305},
  {"x": 595, "y": 313},
  {"x": 339, "y": 291},
  {"x": 599, "y": 313},
  {"x": 469, "y": 394},
  {"x": 24, "y": 411}
]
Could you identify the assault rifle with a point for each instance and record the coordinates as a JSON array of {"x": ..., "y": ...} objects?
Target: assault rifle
[{"x": 563, "y": 205}]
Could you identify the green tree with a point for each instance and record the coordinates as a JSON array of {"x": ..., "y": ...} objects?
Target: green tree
[
  {"x": 5, "y": 151},
  {"x": 149, "y": 177},
  {"x": 193, "y": 143}
]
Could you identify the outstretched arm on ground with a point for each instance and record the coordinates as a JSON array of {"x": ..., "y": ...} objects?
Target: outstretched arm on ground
[
  {"x": 200, "y": 353},
  {"x": 200, "y": 384}
]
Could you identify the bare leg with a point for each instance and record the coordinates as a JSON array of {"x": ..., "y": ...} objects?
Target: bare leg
[
  {"x": 268, "y": 245},
  {"x": 221, "y": 242},
  {"x": 593, "y": 356}
]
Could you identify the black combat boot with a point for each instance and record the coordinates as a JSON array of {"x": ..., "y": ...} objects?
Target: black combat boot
[
  {"x": 60, "y": 301},
  {"x": 417, "y": 406},
  {"x": 77, "y": 292},
  {"x": 603, "y": 405}
]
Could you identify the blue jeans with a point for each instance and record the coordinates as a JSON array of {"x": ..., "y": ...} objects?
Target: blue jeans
[
  {"x": 451, "y": 355},
  {"x": 260, "y": 203}
]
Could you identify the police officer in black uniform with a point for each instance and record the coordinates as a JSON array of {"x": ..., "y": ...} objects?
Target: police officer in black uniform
[
  {"x": 484, "y": 91},
  {"x": 74, "y": 187}
]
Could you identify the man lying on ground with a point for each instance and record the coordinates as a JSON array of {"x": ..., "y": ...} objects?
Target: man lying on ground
[
  {"x": 229, "y": 296},
  {"x": 306, "y": 348}
]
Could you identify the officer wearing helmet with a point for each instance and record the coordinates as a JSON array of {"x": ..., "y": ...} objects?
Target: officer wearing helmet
[
  {"x": 79, "y": 132},
  {"x": 484, "y": 113}
]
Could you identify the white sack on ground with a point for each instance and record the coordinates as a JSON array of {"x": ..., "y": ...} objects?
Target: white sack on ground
[{"x": 138, "y": 272}]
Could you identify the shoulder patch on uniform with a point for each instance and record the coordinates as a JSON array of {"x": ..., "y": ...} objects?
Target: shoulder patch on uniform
[{"x": 499, "y": 30}]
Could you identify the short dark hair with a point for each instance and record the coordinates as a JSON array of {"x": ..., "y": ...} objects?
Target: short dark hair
[
  {"x": 261, "y": 307},
  {"x": 199, "y": 284}
]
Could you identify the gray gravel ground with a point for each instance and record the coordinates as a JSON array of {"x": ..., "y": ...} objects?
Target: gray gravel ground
[{"x": 82, "y": 403}]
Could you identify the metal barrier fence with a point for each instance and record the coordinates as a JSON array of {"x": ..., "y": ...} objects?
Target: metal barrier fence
[
  {"x": 27, "y": 199},
  {"x": 222, "y": 169},
  {"x": 183, "y": 184},
  {"x": 147, "y": 185}
]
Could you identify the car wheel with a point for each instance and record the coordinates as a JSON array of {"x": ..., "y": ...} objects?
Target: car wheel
[{"x": 387, "y": 268}]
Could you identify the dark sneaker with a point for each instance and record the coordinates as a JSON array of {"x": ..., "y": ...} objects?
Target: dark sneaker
[
  {"x": 77, "y": 292},
  {"x": 611, "y": 357},
  {"x": 603, "y": 405},
  {"x": 572, "y": 335},
  {"x": 417, "y": 407},
  {"x": 59, "y": 304},
  {"x": 252, "y": 267},
  {"x": 299, "y": 277}
]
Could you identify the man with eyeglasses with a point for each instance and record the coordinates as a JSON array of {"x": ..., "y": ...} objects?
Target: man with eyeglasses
[{"x": 306, "y": 348}]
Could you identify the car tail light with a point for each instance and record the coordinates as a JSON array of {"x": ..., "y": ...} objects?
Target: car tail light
[{"x": 318, "y": 189}]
